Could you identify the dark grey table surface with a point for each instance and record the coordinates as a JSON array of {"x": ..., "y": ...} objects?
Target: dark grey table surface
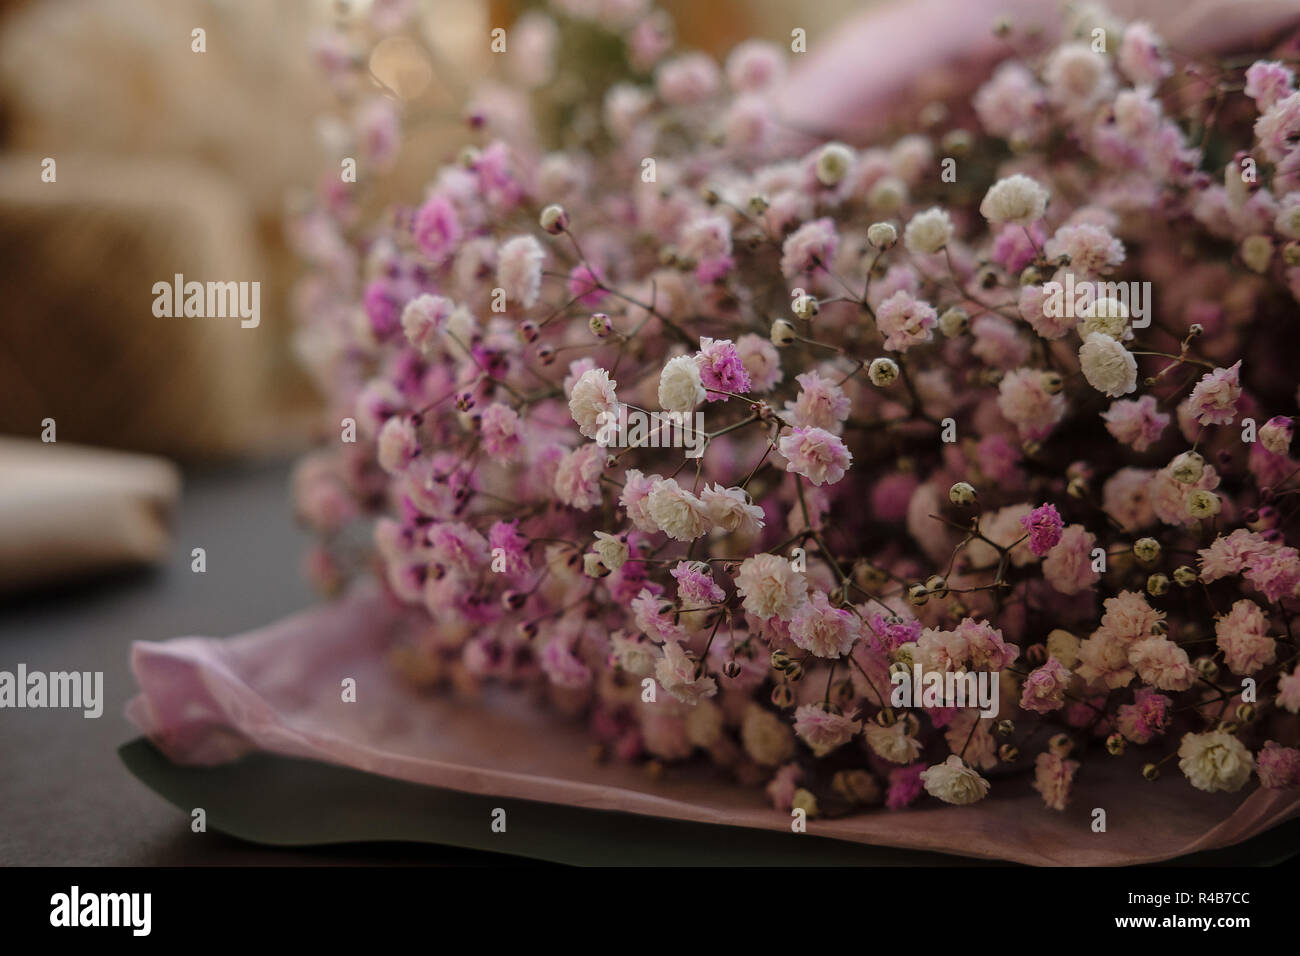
[{"x": 65, "y": 797}]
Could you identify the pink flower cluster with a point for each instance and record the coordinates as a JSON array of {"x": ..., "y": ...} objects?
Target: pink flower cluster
[{"x": 714, "y": 432}]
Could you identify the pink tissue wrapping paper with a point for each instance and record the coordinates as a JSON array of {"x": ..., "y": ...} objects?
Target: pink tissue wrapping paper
[{"x": 206, "y": 701}]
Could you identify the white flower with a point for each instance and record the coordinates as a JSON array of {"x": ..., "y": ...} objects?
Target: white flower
[
  {"x": 731, "y": 509},
  {"x": 1105, "y": 315},
  {"x": 928, "y": 231},
  {"x": 1215, "y": 761},
  {"x": 767, "y": 738},
  {"x": 882, "y": 235},
  {"x": 676, "y": 674},
  {"x": 954, "y": 782},
  {"x": 519, "y": 269},
  {"x": 1016, "y": 199},
  {"x": 680, "y": 388},
  {"x": 612, "y": 550},
  {"x": 892, "y": 743},
  {"x": 593, "y": 395},
  {"x": 677, "y": 512},
  {"x": 770, "y": 586},
  {"x": 1107, "y": 365},
  {"x": 635, "y": 655}
]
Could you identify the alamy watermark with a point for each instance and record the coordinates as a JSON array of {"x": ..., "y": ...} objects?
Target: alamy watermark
[
  {"x": 637, "y": 428},
  {"x": 946, "y": 689},
  {"x": 75, "y": 908},
  {"x": 211, "y": 300},
  {"x": 1071, "y": 299},
  {"x": 77, "y": 690}
]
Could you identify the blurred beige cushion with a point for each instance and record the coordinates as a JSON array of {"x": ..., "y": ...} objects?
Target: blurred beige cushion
[
  {"x": 80, "y": 343},
  {"x": 69, "y": 511}
]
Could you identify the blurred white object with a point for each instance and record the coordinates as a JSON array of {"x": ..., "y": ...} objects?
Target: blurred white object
[{"x": 69, "y": 510}]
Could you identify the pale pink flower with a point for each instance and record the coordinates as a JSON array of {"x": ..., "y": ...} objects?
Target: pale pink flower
[
  {"x": 769, "y": 586},
  {"x": 1141, "y": 55},
  {"x": 1030, "y": 307},
  {"x": 1267, "y": 82},
  {"x": 688, "y": 79},
  {"x": 1053, "y": 776},
  {"x": 1214, "y": 399},
  {"x": 816, "y": 454},
  {"x": 820, "y": 404},
  {"x": 821, "y": 629},
  {"x": 809, "y": 248},
  {"x": 823, "y": 730},
  {"x": 1278, "y": 767},
  {"x": 905, "y": 321},
  {"x": 499, "y": 428},
  {"x": 1129, "y": 617},
  {"x": 679, "y": 676},
  {"x": 1104, "y": 659},
  {"x": 1091, "y": 248},
  {"x": 593, "y": 401},
  {"x": 761, "y": 360},
  {"x": 1044, "y": 688},
  {"x": 731, "y": 509},
  {"x": 519, "y": 269},
  {"x": 1146, "y": 718},
  {"x": 1068, "y": 566},
  {"x": 1243, "y": 637},
  {"x": 577, "y": 479},
  {"x": 1162, "y": 664},
  {"x": 1025, "y": 402},
  {"x": 677, "y": 512},
  {"x": 1137, "y": 423}
]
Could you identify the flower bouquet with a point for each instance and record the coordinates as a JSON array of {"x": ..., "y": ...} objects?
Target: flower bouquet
[{"x": 950, "y": 470}]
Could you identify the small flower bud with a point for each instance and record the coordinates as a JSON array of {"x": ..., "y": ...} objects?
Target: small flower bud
[
  {"x": 882, "y": 235},
  {"x": 514, "y": 600},
  {"x": 1147, "y": 550},
  {"x": 546, "y": 354},
  {"x": 758, "y": 204},
  {"x": 806, "y": 306},
  {"x": 886, "y": 717},
  {"x": 917, "y": 595},
  {"x": 600, "y": 325},
  {"x": 794, "y": 670},
  {"x": 962, "y": 494},
  {"x": 731, "y": 668},
  {"x": 554, "y": 219},
  {"x": 1115, "y": 744},
  {"x": 1151, "y": 771},
  {"x": 1206, "y": 667},
  {"x": 528, "y": 331},
  {"x": 954, "y": 322},
  {"x": 937, "y": 585},
  {"x": 1052, "y": 383},
  {"x": 1184, "y": 576},
  {"x": 1203, "y": 504},
  {"x": 1008, "y": 752},
  {"x": 1005, "y": 728},
  {"x": 882, "y": 371},
  {"x": 782, "y": 334},
  {"x": 833, "y": 163},
  {"x": 780, "y": 660},
  {"x": 1157, "y": 584}
]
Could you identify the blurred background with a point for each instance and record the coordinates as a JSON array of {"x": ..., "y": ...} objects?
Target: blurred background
[{"x": 173, "y": 161}]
